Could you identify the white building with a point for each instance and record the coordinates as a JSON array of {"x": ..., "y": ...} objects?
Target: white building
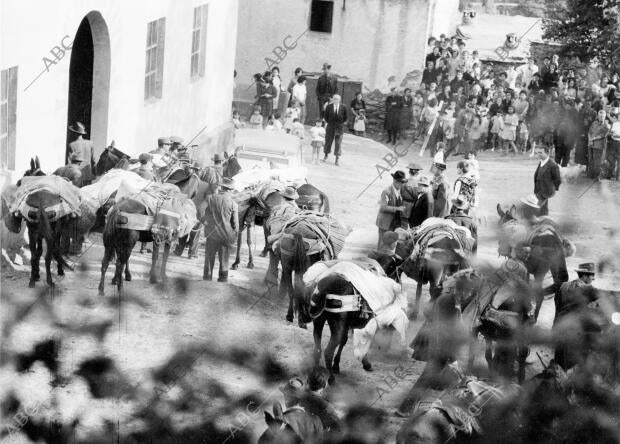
[
  {"x": 367, "y": 40},
  {"x": 131, "y": 71}
]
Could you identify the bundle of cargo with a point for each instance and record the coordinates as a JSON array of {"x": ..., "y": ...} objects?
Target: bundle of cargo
[
  {"x": 68, "y": 199},
  {"x": 169, "y": 213},
  {"x": 321, "y": 232}
]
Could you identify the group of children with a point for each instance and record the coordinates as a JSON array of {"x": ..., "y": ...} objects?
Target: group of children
[{"x": 289, "y": 124}]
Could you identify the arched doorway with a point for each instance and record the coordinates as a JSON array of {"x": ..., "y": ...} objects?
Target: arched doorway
[{"x": 89, "y": 80}]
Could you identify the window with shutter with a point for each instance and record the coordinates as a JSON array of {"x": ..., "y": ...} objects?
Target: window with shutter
[
  {"x": 321, "y": 15},
  {"x": 8, "y": 105},
  {"x": 199, "y": 41},
  {"x": 154, "y": 72}
]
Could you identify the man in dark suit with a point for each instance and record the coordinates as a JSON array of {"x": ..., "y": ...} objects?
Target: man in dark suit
[
  {"x": 336, "y": 117},
  {"x": 423, "y": 206},
  {"x": 547, "y": 178},
  {"x": 326, "y": 87}
]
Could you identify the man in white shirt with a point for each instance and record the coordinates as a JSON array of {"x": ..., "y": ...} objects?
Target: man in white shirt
[
  {"x": 527, "y": 72},
  {"x": 299, "y": 94},
  {"x": 511, "y": 77}
]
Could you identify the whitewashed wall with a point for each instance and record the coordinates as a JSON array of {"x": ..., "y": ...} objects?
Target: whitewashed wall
[{"x": 28, "y": 30}]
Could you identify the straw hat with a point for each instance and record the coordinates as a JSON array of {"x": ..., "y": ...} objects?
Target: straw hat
[{"x": 531, "y": 201}]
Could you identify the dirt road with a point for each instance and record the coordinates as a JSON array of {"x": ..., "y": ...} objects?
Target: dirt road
[{"x": 243, "y": 312}]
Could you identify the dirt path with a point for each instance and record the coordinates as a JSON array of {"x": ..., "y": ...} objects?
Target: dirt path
[{"x": 241, "y": 312}]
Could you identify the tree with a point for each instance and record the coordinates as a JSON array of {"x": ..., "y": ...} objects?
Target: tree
[{"x": 586, "y": 29}]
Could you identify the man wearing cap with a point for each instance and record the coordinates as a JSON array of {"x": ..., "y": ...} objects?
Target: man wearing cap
[
  {"x": 336, "y": 117},
  {"x": 391, "y": 206},
  {"x": 86, "y": 151},
  {"x": 326, "y": 87},
  {"x": 221, "y": 220},
  {"x": 163, "y": 146},
  {"x": 547, "y": 178},
  {"x": 176, "y": 143},
  {"x": 72, "y": 172},
  {"x": 409, "y": 192},
  {"x": 459, "y": 216},
  {"x": 423, "y": 206},
  {"x": 440, "y": 190},
  {"x": 145, "y": 170}
]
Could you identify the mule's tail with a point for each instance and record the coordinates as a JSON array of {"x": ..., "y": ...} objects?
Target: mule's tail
[
  {"x": 46, "y": 230},
  {"x": 299, "y": 261},
  {"x": 325, "y": 199},
  {"x": 109, "y": 229}
]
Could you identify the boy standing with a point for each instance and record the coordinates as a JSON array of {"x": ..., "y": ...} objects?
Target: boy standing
[{"x": 317, "y": 140}]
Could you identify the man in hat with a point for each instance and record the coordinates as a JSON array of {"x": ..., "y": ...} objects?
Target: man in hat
[
  {"x": 440, "y": 189},
  {"x": 221, "y": 220},
  {"x": 386, "y": 255},
  {"x": 145, "y": 170},
  {"x": 213, "y": 174},
  {"x": 459, "y": 216},
  {"x": 547, "y": 178},
  {"x": 409, "y": 191},
  {"x": 393, "y": 108},
  {"x": 326, "y": 87},
  {"x": 423, "y": 206},
  {"x": 163, "y": 146},
  {"x": 336, "y": 117},
  {"x": 176, "y": 143},
  {"x": 290, "y": 195},
  {"x": 85, "y": 149},
  {"x": 391, "y": 206},
  {"x": 72, "y": 172},
  {"x": 576, "y": 295}
]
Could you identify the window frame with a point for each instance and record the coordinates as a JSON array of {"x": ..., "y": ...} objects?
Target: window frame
[
  {"x": 197, "y": 60},
  {"x": 8, "y": 117},
  {"x": 154, "y": 59}
]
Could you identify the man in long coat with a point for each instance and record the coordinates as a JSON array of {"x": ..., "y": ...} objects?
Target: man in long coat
[
  {"x": 221, "y": 220},
  {"x": 393, "y": 108},
  {"x": 440, "y": 191},
  {"x": 326, "y": 87},
  {"x": 86, "y": 151}
]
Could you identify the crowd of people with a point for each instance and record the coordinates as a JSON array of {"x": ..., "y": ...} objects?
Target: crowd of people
[{"x": 480, "y": 107}]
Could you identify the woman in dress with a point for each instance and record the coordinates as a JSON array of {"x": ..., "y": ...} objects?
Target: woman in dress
[
  {"x": 509, "y": 131},
  {"x": 357, "y": 104},
  {"x": 266, "y": 93}
]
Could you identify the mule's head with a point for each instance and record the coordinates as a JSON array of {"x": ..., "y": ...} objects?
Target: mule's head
[
  {"x": 506, "y": 216},
  {"x": 35, "y": 168},
  {"x": 278, "y": 431}
]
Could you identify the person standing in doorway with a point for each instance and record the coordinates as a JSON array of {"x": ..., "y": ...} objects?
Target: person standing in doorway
[
  {"x": 336, "y": 117},
  {"x": 326, "y": 87},
  {"x": 547, "y": 178},
  {"x": 86, "y": 151},
  {"x": 221, "y": 220},
  {"x": 391, "y": 207}
]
